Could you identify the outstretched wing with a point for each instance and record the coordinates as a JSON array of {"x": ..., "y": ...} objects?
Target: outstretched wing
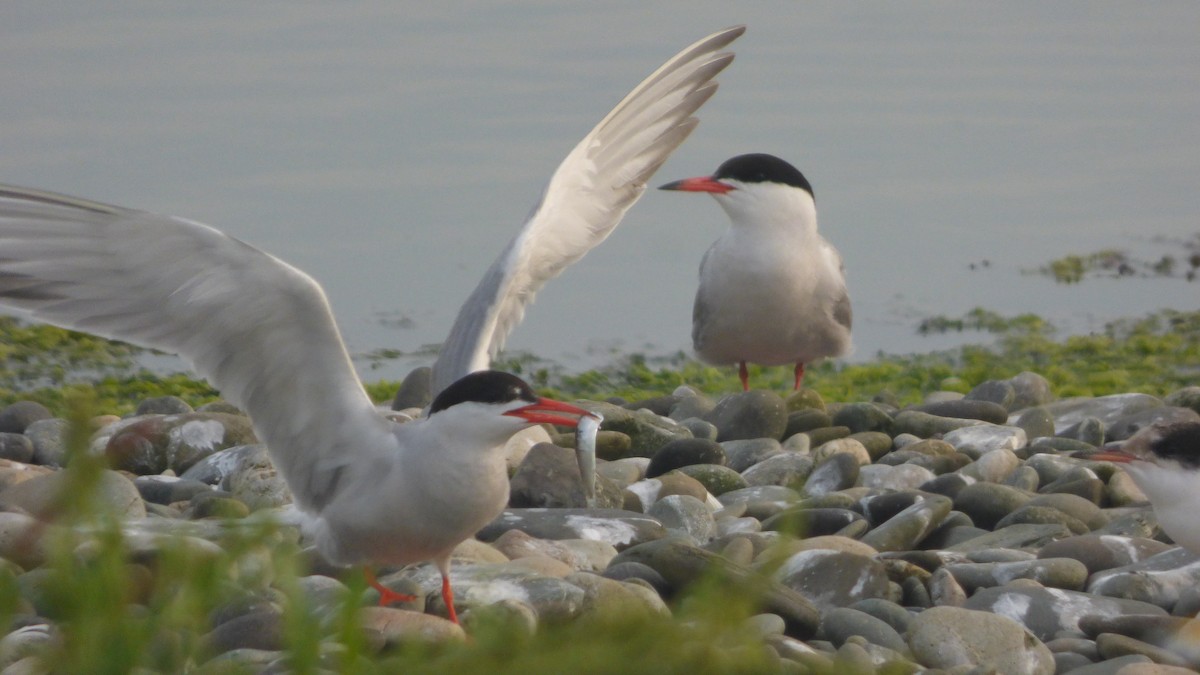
[
  {"x": 585, "y": 199},
  {"x": 259, "y": 329}
]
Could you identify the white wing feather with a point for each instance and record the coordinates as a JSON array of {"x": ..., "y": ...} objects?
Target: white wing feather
[
  {"x": 259, "y": 329},
  {"x": 585, "y": 200}
]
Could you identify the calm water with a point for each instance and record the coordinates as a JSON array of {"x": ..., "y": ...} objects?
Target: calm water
[{"x": 392, "y": 150}]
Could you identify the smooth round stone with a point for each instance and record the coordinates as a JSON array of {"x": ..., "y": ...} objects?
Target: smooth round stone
[
  {"x": 830, "y": 542},
  {"x": 783, "y": 496},
  {"x": 16, "y": 417},
  {"x": 1078, "y": 507},
  {"x": 1107, "y": 409},
  {"x": 699, "y": 428},
  {"x": 785, "y": 468},
  {"x": 715, "y": 478},
  {"x": 647, "y": 432},
  {"x": 743, "y": 454},
  {"x": 675, "y": 483},
  {"x": 548, "y": 477},
  {"x": 615, "y": 527},
  {"x": 625, "y": 571},
  {"x": 766, "y": 624},
  {"x": 903, "y": 477},
  {"x": 924, "y": 425},
  {"x": 1187, "y": 397},
  {"x": 975, "y": 441},
  {"x": 659, "y": 405},
  {"x": 1064, "y": 573},
  {"x": 839, "y": 623},
  {"x": 805, "y": 399},
  {"x": 954, "y": 637},
  {"x": 1103, "y": 552},
  {"x": 1090, "y": 430},
  {"x": 168, "y": 489},
  {"x": 811, "y": 522},
  {"x": 16, "y": 447},
  {"x": 683, "y": 513},
  {"x": 838, "y": 472},
  {"x": 798, "y": 443},
  {"x": 604, "y": 597},
  {"x": 889, "y": 612},
  {"x": 877, "y": 443},
  {"x": 211, "y": 504},
  {"x": 1022, "y": 535},
  {"x": 690, "y": 403},
  {"x": 49, "y": 438},
  {"x": 807, "y": 419},
  {"x": 907, "y": 529},
  {"x": 163, "y": 405},
  {"x": 1031, "y": 389},
  {"x": 1000, "y": 392},
  {"x": 255, "y": 481},
  {"x": 933, "y": 447},
  {"x": 1043, "y": 515},
  {"x": 416, "y": 390},
  {"x": 685, "y": 452},
  {"x": 30, "y": 640},
  {"x": 1121, "y": 490},
  {"x": 150, "y": 444},
  {"x": 818, "y": 437},
  {"x": 993, "y": 466},
  {"x": 1112, "y": 646},
  {"x": 966, "y": 409},
  {"x": 1036, "y": 422},
  {"x": 39, "y": 496},
  {"x": 988, "y": 503},
  {"x": 1158, "y": 579},
  {"x": 847, "y": 446},
  {"x": 261, "y": 629},
  {"x": 1124, "y": 427},
  {"x": 752, "y": 414},
  {"x": 398, "y": 626},
  {"x": 1023, "y": 478},
  {"x": 860, "y": 417},
  {"x": 682, "y": 564},
  {"x": 834, "y": 578},
  {"x": 1049, "y": 612}
]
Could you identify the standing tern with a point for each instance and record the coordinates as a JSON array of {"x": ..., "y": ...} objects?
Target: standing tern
[
  {"x": 1164, "y": 461},
  {"x": 772, "y": 290},
  {"x": 262, "y": 332}
]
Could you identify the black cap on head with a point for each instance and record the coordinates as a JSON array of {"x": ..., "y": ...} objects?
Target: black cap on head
[
  {"x": 762, "y": 168},
  {"x": 484, "y": 386},
  {"x": 1180, "y": 442}
]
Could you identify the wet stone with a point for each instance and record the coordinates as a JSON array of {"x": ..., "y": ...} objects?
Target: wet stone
[
  {"x": 716, "y": 479},
  {"x": 988, "y": 503},
  {"x": 975, "y": 441},
  {"x": 1031, "y": 389},
  {"x": 685, "y": 514},
  {"x": 16, "y": 417},
  {"x": 1000, "y": 392},
  {"x": 967, "y": 409},
  {"x": 806, "y": 419},
  {"x": 785, "y": 468},
  {"x": 685, "y": 452},
  {"x": 752, "y": 414},
  {"x": 1099, "y": 552},
  {"x": 742, "y": 454},
  {"x": 548, "y": 477},
  {"x": 834, "y": 578},
  {"x": 860, "y": 417},
  {"x": 16, "y": 447},
  {"x": 49, "y": 438},
  {"x": 1036, "y": 422},
  {"x": 953, "y": 637},
  {"x": 925, "y": 425},
  {"x": 838, "y": 472},
  {"x": 1048, "y": 612},
  {"x": 840, "y": 623}
]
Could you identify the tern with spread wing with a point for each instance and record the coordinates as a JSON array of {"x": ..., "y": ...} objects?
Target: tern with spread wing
[
  {"x": 262, "y": 332},
  {"x": 772, "y": 289}
]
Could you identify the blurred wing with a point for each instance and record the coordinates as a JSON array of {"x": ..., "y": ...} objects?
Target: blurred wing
[
  {"x": 585, "y": 199},
  {"x": 259, "y": 329}
]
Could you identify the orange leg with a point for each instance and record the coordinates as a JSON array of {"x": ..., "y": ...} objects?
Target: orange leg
[
  {"x": 744, "y": 375},
  {"x": 799, "y": 375},
  {"x": 386, "y": 595},
  {"x": 448, "y": 598}
]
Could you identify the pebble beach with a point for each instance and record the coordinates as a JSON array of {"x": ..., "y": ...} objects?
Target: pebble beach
[{"x": 964, "y": 534}]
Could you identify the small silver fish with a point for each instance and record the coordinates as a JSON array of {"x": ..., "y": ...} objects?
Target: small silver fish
[{"x": 585, "y": 453}]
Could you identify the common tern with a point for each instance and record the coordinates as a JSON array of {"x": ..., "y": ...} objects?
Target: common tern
[
  {"x": 772, "y": 290},
  {"x": 262, "y": 332},
  {"x": 1164, "y": 461}
]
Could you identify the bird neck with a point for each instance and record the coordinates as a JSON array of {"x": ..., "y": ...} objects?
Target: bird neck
[{"x": 780, "y": 210}]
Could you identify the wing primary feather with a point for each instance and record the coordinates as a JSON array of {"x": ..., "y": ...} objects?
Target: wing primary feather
[{"x": 586, "y": 198}]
